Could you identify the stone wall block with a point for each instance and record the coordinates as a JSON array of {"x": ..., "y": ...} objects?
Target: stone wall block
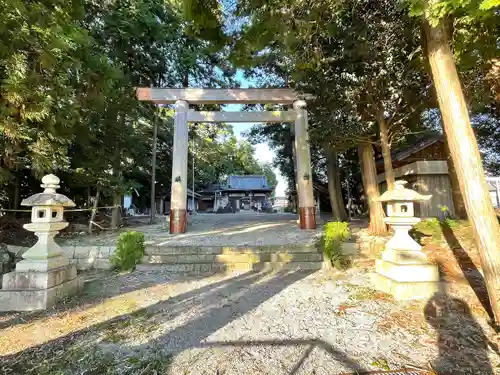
[
  {"x": 93, "y": 253},
  {"x": 102, "y": 264},
  {"x": 69, "y": 251},
  {"x": 84, "y": 264},
  {"x": 81, "y": 252},
  {"x": 104, "y": 252}
]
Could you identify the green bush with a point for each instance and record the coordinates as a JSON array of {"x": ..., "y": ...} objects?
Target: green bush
[
  {"x": 129, "y": 251},
  {"x": 451, "y": 223},
  {"x": 334, "y": 233}
]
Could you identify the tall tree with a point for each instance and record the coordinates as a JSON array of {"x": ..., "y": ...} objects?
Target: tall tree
[
  {"x": 334, "y": 187},
  {"x": 369, "y": 175},
  {"x": 460, "y": 136}
]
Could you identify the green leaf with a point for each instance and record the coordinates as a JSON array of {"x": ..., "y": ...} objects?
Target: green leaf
[{"x": 489, "y": 4}]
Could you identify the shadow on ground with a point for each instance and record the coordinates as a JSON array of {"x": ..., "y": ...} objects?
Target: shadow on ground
[
  {"x": 217, "y": 305},
  {"x": 198, "y": 314},
  {"x": 469, "y": 270},
  {"x": 462, "y": 343},
  {"x": 99, "y": 286}
]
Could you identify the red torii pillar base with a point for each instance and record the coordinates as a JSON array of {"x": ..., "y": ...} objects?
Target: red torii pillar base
[{"x": 307, "y": 217}]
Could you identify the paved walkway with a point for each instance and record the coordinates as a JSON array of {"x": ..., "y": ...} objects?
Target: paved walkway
[{"x": 248, "y": 323}]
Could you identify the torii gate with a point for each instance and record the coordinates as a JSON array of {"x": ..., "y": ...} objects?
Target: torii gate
[{"x": 183, "y": 97}]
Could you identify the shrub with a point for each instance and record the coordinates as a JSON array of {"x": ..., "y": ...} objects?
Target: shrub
[
  {"x": 334, "y": 233},
  {"x": 451, "y": 223},
  {"x": 129, "y": 250}
]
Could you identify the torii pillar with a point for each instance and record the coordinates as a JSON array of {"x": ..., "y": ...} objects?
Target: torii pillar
[
  {"x": 178, "y": 198},
  {"x": 307, "y": 208}
]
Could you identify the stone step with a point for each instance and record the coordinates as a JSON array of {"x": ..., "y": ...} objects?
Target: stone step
[
  {"x": 350, "y": 248},
  {"x": 221, "y": 267},
  {"x": 215, "y": 250},
  {"x": 232, "y": 257}
]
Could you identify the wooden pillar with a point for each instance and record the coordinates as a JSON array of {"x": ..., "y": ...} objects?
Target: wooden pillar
[
  {"x": 307, "y": 209},
  {"x": 178, "y": 200}
]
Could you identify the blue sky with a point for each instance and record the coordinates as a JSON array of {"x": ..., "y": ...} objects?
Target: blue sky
[{"x": 261, "y": 151}]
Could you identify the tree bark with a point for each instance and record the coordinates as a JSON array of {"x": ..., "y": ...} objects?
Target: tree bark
[
  {"x": 456, "y": 195},
  {"x": 94, "y": 210},
  {"x": 335, "y": 194},
  {"x": 369, "y": 177},
  {"x": 386, "y": 151},
  {"x": 88, "y": 195},
  {"x": 466, "y": 159},
  {"x": 116, "y": 216},
  {"x": 117, "y": 201}
]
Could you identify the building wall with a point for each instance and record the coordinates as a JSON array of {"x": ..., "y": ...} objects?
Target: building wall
[
  {"x": 434, "y": 152},
  {"x": 428, "y": 178},
  {"x": 436, "y": 185},
  {"x": 440, "y": 188},
  {"x": 206, "y": 205}
]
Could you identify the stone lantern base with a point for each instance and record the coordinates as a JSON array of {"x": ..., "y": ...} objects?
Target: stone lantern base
[
  {"x": 404, "y": 270},
  {"x": 411, "y": 286},
  {"x": 38, "y": 290},
  {"x": 44, "y": 276}
]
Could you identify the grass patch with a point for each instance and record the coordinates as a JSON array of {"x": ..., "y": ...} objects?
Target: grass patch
[
  {"x": 129, "y": 328},
  {"x": 381, "y": 364},
  {"x": 330, "y": 243},
  {"x": 363, "y": 293},
  {"x": 427, "y": 228},
  {"x": 92, "y": 360},
  {"x": 433, "y": 229}
]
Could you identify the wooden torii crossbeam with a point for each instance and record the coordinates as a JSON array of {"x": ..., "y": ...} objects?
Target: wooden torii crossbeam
[{"x": 219, "y": 96}]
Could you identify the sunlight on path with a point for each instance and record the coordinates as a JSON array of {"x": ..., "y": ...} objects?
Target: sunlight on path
[{"x": 21, "y": 336}]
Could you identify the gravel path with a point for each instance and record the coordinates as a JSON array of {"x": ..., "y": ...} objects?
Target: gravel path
[
  {"x": 247, "y": 323},
  {"x": 240, "y": 229}
]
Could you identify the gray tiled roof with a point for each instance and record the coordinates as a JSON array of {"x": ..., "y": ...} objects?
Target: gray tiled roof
[{"x": 247, "y": 182}]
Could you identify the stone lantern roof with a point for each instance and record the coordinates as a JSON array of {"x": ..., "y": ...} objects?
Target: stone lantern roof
[
  {"x": 48, "y": 197},
  {"x": 401, "y": 194}
]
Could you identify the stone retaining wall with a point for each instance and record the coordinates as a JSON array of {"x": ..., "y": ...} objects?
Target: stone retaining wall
[{"x": 84, "y": 257}]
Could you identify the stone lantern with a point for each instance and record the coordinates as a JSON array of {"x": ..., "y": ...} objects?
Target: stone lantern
[
  {"x": 44, "y": 275},
  {"x": 404, "y": 270}
]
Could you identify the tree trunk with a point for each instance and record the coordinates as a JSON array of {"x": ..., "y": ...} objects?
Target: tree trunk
[
  {"x": 337, "y": 203},
  {"x": 117, "y": 198},
  {"x": 386, "y": 151},
  {"x": 94, "y": 210},
  {"x": 17, "y": 191},
  {"x": 466, "y": 159},
  {"x": 456, "y": 195},
  {"x": 88, "y": 195},
  {"x": 116, "y": 216},
  {"x": 369, "y": 176}
]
